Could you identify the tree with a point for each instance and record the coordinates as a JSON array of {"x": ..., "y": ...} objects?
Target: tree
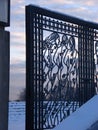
[{"x": 22, "y": 96}]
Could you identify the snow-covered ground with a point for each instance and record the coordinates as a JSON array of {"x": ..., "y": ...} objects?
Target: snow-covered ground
[
  {"x": 16, "y": 116},
  {"x": 83, "y": 118}
]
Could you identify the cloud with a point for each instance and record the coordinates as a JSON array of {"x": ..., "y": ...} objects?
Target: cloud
[
  {"x": 87, "y": 3},
  {"x": 17, "y": 67},
  {"x": 17, "y": 2},
  {"x": 78, "y": 8},
  {"x": 19, "y": 10},
  {"x": 18, "y": 38}
]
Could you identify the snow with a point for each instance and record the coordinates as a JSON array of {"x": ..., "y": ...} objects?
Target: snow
[
  {"x": 83, "y": 118},
  {"x": 16, "y": 116}
]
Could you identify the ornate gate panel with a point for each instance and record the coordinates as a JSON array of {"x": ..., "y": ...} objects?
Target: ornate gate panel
[
  {"x": 59, "y": 66},
  {"x": 60, "y": 73}
]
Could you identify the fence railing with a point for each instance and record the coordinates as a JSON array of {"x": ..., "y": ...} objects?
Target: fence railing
[{"x": 61, "y": 72}]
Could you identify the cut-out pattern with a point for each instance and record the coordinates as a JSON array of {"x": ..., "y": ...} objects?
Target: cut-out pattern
[{"x": 60, "y": 66}]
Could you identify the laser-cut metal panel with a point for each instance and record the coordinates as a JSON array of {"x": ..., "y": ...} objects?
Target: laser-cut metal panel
[{"x": 59, "y": 66}]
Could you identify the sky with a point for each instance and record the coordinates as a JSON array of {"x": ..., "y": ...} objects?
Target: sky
[{"x": 84, "y": 9}]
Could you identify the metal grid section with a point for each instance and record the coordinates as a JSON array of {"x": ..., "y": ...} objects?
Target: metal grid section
[
  {"x": 86, "y": 63},
  {"x": 60, "y": 66}
]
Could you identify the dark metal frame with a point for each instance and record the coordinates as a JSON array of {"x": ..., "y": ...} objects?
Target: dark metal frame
[{"x": 37, "y": 108}]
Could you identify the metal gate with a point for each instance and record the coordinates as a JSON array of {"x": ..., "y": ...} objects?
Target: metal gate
[{"x": 60, "y": 66}]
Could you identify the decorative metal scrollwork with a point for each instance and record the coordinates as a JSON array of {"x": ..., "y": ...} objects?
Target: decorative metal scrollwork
[
  {"x": 96, "y": 50},
  {"x": 60, "y": 66},
  {"x": 96, "y": 67}
]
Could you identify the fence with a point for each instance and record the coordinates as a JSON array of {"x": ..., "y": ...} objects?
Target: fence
[{"x": 60, "y": 66}]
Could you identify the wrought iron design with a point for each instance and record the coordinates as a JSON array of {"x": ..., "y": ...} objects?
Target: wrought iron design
[
  {"x": 60, "y": 68},
  {"x": 61, "y": 83},
  {"x": 96, "y": 66}
]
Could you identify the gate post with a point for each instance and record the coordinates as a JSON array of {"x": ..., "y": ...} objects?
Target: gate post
[
  {"x": 4, "y": 79},
  {"x": 4, "y": 62}
]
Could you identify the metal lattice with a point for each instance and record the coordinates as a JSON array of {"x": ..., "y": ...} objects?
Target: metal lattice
[{"x": 61, "y": 72}]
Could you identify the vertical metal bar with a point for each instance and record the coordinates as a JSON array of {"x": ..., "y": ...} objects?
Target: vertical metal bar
[
  {"x": 29, "y": 71},
  {"x": 4, "y": 77},
  {"x": 35, "y": 87},
  {"x": 92, "y": 63},
  {"x": 79, "y": 61},
  {"x": 34, "y": 63},
  {"x": 38, "y": 78},
  {"x": 85, "y": 62},
  {"x": 81, "y": 64},
  {"x": 41, "y": 73},
  {"x": 40, "y": 36}
]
